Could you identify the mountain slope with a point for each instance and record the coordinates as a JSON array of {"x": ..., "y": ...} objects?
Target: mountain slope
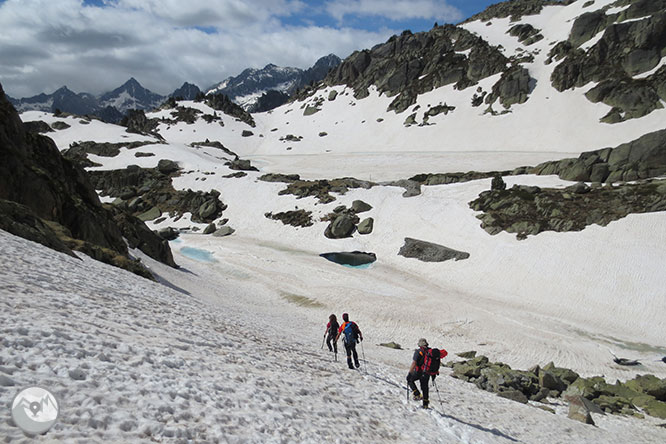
[
  {"x": 130, "y": 95},
  {"x": 493, "y": 83},
  {"x": 204, "y": 367},
  {"x": 246, "y": 88}
]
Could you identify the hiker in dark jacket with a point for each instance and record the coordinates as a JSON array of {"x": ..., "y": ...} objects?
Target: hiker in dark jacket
[
  {"x": 331, "y": 333},
  {"x": 352, "y": 335},
  {"x": 416, "y": 373}
]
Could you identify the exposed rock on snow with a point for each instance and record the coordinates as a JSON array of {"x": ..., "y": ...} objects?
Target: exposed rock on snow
[
  {"x": 640, "y": 159},
  {"x": 341, "y": 226},
  {"x": 147, "y": 188},
  {"x": 631, "y": 44},
  {"x": 38, "y": 126},
  {"x": 413, "y": 64},
  {"x": 429, "y": 252},
  {"x": 531, "y": 210},
  {"x": 220, "y": 102},
  {"x": 296, "y": 218},
  {"x": 366, "y": 226}
]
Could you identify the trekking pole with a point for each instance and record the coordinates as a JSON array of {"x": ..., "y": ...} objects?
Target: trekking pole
[
  {"x": 322, "y": 341},
  {"x": 437, "y": 390},
  {"x": 365, "y": 363}
]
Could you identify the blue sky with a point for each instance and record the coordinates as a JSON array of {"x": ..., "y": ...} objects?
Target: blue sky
[{"x": 95, "y": 45}]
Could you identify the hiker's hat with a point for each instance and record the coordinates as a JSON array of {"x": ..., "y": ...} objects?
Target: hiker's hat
[{"x": 423, "y": 342}]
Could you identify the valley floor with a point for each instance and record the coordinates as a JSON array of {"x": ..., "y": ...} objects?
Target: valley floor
[{"x": 220, "y": 357}]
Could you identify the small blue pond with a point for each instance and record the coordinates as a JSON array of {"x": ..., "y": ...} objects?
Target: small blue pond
[
  {"x": 198, "y": 254},
  {"x": 363, "y": 266}
]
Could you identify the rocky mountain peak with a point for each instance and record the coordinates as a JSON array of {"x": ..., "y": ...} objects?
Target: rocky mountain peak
[
  {"x": 412, "y": 64},
  {"x": 188, "y": 91}
]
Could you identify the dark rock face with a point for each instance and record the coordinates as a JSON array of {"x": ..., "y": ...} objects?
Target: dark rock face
[
  {"x": 625, "y": 50},
  {"x": 412, "y": 64},
  {"x": 513, "y": 87},
  {"x": 527, "y": 34},
  {"x": 139, "y": 236},
  {"x": 33, "y": 173},
  {"x": 531, "y": 210},
  {"x": 269, "y": 100},
  {"x": 137, "y": 122},
  {"x": 21, "y": 221},
  {"x": 186, "y": 92},
  {"x": 354, "y": 258},
  {"x": 642, "y": 158},
  {"x": 296, "y": 218},
  {"x": 429, "y": 252},
  {"x": 38, "y": 127},
  {"x": 222, "y": 103}
]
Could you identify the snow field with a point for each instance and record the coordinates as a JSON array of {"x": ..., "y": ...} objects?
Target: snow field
[{"x": 132, "y": 360}]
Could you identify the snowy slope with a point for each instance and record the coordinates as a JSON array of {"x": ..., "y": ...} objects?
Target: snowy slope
[
  {"x": 557, "y": 285},
  {"x": 131, "y": 360}
]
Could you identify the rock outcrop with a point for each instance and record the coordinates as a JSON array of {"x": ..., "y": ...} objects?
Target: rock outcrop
[
  {"x": 148, "y": 192},
  {"x": 633, "y": 42},
  {"x": 34, "y": 174},
  {"x": 412, "y": 64},
  {"x": 529, "y": 210},
  {"x": 585, "y": 395},
  {"x": 296, "y": 218},
  {"x": 320, "y": 189},
  {"x": 429, "y": 252},
  {"x": 222, "y": 103},
  {"x": 642, "y": 158}
]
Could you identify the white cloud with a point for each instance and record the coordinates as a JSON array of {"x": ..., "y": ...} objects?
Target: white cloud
[
  {"x": 46, "y": 44},
  {"x": 394, "y": 10}
]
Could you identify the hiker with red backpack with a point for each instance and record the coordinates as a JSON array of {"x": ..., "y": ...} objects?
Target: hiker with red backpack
[
  {"x": 352, "y": 335},
  {"x": 331, "y": 333},
  {"x": 425, "y": 365}
]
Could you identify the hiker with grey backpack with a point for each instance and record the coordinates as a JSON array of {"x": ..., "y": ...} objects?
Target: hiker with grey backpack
[
  {"x": 351, "y": 335},
  {"x": 425, "y": 366}
]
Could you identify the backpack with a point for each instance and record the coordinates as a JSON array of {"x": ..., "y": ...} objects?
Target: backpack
[
  {"x": 350, "y": 333},
  {"x": 431, "y": 360},
  {"x": 333, "y": 328}
]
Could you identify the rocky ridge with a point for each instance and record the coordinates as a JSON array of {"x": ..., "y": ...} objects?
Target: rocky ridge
[
  {"x": 412, "y": 64},
  {"x": 56, "y": 191},
  {"x": 631, "y": 46},
  {"x": 147, "y": 193}
]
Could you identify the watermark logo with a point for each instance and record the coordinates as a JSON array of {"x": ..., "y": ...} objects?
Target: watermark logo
[{"x": 35, "y": 410}]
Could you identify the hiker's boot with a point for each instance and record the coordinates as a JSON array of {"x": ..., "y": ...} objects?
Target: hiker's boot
[
  {"x": 426, "y": 403},
  {"x": 417, "y": 395},
  {"x": 358, "y": 364}
]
